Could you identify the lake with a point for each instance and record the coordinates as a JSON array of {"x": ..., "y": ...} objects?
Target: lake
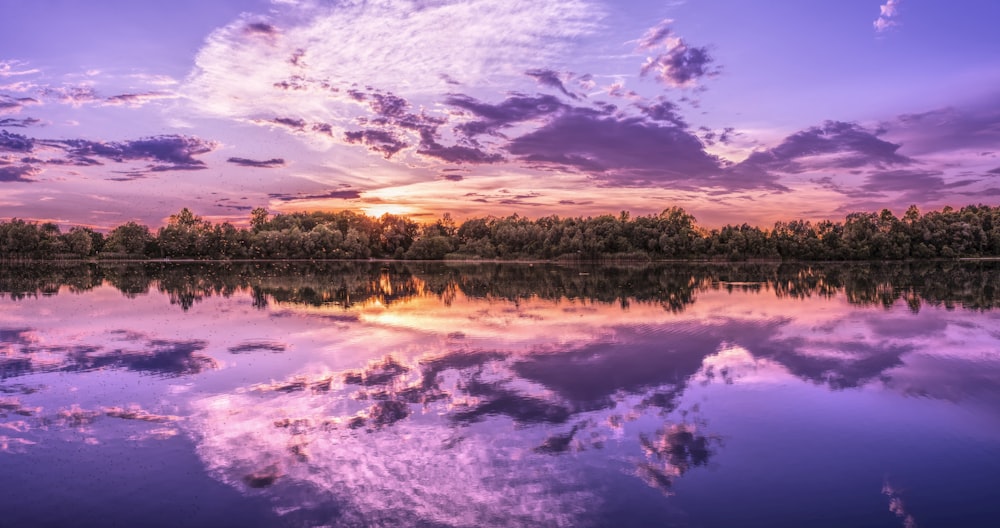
[{"x": 466, "y": 395}]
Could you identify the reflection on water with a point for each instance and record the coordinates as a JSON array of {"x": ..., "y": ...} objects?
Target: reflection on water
[{"x": 389, "y": 394}]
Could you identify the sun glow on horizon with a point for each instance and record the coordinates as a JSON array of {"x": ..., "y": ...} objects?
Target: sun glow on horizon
[{"x": 378, "y": 210}]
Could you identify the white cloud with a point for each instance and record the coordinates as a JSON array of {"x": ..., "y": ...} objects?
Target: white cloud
[
  {"x": 887, "y": 15},
  {"x": 409, "y": 47}
]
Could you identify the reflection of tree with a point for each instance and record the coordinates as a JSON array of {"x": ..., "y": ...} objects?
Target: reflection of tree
[{"x": 675, "y": 286}]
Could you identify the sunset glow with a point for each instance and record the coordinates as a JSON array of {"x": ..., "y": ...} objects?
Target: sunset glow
[{"x": 736, "y": 112}]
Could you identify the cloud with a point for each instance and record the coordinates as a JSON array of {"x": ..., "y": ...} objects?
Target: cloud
[
  {"x": 457, "y": 153},
  {"x": 949, "y": 129},
  {"x": 267, "y": 164},
  {"x": 19, "y": 123},
  {"x": 917, "y": 185},
  {"x": 381, "y": 141},
  {"x": 627, "y": 151},
  {"x": 135, "y": 100},
  {"x": 13, "y": 105},
  {"x": 174, "y": 151},
  {"x": 260, "y": 28},
  {"x": 255, "y": 346},
  {"x": 11, "y": 68},
  {"x": 343, "y": 194},
  {"x": 17, "y": 173},
  {"x": 674, "y": 62},
  {"x": 663, "y": 110},
  {"x": 551, "y": 79},
  {"x": 15, "y": 142},
  {"x": 409, "y": 47},
  {"x": 834, "y": 145},
  {"x": 888, "y": 14},
  {"x": 290, "y": 122},
  {"x": 491, "y": 118},
  {"x": 651, "y": 147},
  {"x": 75, "y": 96}
]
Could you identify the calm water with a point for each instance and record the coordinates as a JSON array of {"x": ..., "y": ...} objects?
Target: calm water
[{"x": 500, "y": 395}]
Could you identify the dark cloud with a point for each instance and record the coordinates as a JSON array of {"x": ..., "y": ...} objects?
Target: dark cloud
[
  {"x": 675, "y": 63},
  {"x": 918, "y": 184},
  {"x": 13, "y": 105},
  {"x": 451, "y": 176},
  {"x": 260, "y": 28},
  {"x": 267, "y": 164},
  {"x": 514, "y": 109},
  {"x": 174, "y": 152},
  {"x": 152, "y": 356},
  {"x": 994, "y": 171},
  {"x": 681, "y": 66},
  {"x": 948, "y": 129},
  {"x": 388, "y": 105},
  {"x": 382, "y": 141},
  {"x": 652, "y": 148},
  {"x": 15, "y": 142},
  {"x": 17, "y": 173},
  {"x": 458, "y": 154},
  {"x": 357, "y": 95},
  {"x": 160, "y": 356},
  {"x": 128, "y": 176},
  {"x": 323, "y": 128},
  {"x": 663, "y": 110},
  {"x": 19, "y": 123},
  {"x": 257, "y": 346},
  {"x": 176, "y": 167},
  {"x": 345, "y": 194},
  {"x": 626, "y": 151},
  {"x": 493, "y": 399},
  {"x": 551, "y": 79},
  {"x": 834, "y": 145},
  {"x": 293, "y": 123},
  {"x": 135, "y": 99}
]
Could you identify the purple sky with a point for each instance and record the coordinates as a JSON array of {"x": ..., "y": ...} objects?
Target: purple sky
[{"x": 737, "y": 111}]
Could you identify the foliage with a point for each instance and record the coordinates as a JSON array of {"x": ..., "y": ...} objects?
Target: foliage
[{"x": 972, "y": 231}]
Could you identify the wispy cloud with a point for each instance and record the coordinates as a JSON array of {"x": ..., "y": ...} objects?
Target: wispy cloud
[
  {"x": 266, "y": 164},
  {"x": 402, "y": 46},
  {"x": 136, "y": 100},
  {"x": 551, "y": 79},
  {"x": 13, "y": 105},
  {"x": 342, "y": 194},
  {"x": 11, "y": 68},
  {"x": 19, "y": 123},
  {"x": 888, "y": 16}
]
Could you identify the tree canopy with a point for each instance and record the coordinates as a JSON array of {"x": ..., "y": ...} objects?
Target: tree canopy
[{"x": 972, "y": 231}]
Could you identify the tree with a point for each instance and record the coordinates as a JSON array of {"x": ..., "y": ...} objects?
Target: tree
[{"x": 130, "y": 238}]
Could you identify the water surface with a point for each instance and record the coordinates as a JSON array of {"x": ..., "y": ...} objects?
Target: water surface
[{"x": 387, "y": 394}]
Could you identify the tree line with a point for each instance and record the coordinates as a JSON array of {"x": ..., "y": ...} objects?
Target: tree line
[{"x": 972, "y": 231}]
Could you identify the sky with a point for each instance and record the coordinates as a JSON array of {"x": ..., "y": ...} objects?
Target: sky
[{"x": 736, "y": 111}]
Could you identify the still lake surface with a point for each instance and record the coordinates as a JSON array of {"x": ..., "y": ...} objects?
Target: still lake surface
[{"x": 390, "y": 394}]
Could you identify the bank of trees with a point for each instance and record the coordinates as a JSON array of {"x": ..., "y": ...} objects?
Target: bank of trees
[{"x": 972, "y": 231}]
